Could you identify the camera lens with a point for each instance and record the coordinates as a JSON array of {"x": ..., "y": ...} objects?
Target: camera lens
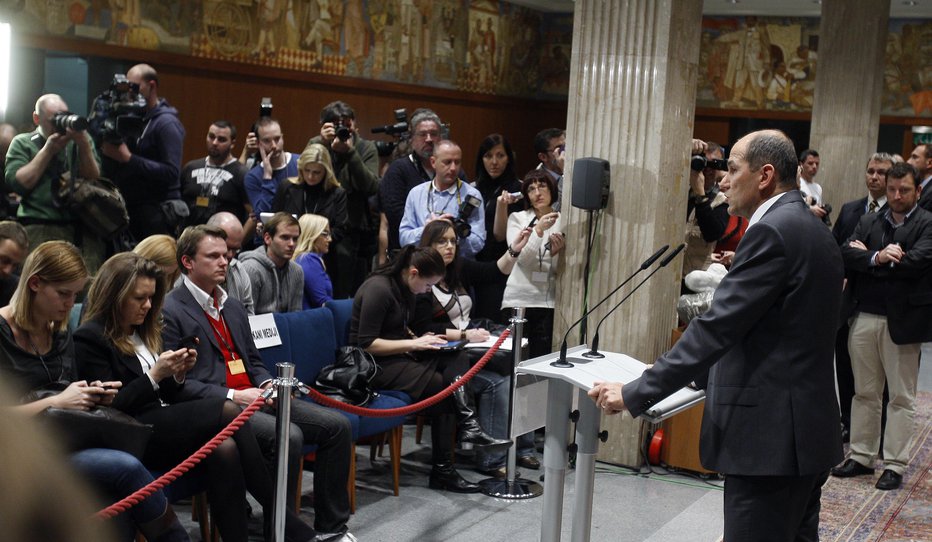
[
  {"x": 63, "y": 121},
  {"x": 343, "y": 133}
]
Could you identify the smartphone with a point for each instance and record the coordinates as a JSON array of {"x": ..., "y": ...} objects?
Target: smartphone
[
  {"x": 454, "y": 345},
  {"x": 191, "y": 341},
  {"x": 516, "y": 195}
]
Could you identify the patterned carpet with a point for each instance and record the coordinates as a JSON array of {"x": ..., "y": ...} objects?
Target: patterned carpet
[{"x": 854, "y": 511}]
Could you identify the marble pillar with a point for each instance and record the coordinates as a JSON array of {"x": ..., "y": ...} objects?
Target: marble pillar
[
  {"x": 849, "y": 83},
  {"x": 631, "y": 102}
]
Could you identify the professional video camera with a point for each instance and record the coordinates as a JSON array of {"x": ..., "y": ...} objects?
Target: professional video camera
[
  {"x": 699, "y": 162},
  {"x": 461, "y": 223},
  {"x": 66, "y": 119},
  {"x": 399, "y": 131},
  {"x": 117, "y": 113}
]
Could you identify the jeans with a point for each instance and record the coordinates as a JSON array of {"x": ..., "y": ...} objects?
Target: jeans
[
  {"x": 492, "y": 391},
  {"x": 117, "y": 474}
]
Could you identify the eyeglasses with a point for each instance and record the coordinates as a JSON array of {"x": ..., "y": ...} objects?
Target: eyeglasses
[
  {"x": 538, "y": 188},
  {"x": 561, "y": 147},
  {"x": 447, "y": 242}
]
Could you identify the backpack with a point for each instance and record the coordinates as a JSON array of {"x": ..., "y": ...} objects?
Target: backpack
[{"x": 97, "y": 203}]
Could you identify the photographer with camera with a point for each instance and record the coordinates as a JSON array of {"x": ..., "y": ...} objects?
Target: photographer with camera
[
  {"x": 147, "y": 168},
  {"x": 706, "y": 212},
  {"x": 35, "y": 163},
  {"x": 356, "y": 165},
  {"x": 809, "y": 162},
  {"x": 445, "y": 197}
]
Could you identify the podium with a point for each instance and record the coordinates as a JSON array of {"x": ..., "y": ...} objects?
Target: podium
[{"x": 585, "y": 372}]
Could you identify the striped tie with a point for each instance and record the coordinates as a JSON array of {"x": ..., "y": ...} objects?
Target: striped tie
[{"x": 872, "y": 206}]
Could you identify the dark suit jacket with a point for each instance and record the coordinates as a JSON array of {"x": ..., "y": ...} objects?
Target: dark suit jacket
[
  {"x": 848, "y": 218},
  {"x": 184, "y": 317},
  {"x": 769, "y": 338},
  {"x": 925, "y": 198},
  {"x": 98, "y": 359},
  {"x": 909, "y": 299}
]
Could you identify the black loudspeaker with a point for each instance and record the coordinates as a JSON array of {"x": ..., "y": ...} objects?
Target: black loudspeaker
[{"x": 591, "y": 178}]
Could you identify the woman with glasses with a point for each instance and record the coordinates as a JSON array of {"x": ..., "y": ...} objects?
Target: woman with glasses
[
  {"x": 445, "y": 311},
  {"x": 532, "y": 283},
  {"x": 313, "y": 245}
]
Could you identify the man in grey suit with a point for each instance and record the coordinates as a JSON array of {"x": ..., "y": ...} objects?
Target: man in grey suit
[{"x": 771, "y": 423}]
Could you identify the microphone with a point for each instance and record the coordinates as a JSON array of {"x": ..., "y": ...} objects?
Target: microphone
[
  {"x": 647, "y": 263},
  {"x": 594, "y": 349}
]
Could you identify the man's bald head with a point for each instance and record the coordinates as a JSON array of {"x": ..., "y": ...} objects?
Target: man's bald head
[
  {"x": 234, "y": 230},
  {"x": 46, "y": 107}
]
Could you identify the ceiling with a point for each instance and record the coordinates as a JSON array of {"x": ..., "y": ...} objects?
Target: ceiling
[{"x": 899, "y": 9}]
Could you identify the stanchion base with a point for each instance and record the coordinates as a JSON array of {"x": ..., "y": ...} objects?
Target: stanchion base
[
  {"x": 593, "y": 354},
  {"x": 561, "y": 364},
  {"x": 503, "y": 489}
]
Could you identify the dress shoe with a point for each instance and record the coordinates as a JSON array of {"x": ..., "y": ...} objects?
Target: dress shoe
[
  {"x": 444, "y": 476},
  {"x": 851, "y": 468},
  {"x": 494, "y": 472},
  {"x": 889, "y": 480},
  {"x": 529, "y": 462}
]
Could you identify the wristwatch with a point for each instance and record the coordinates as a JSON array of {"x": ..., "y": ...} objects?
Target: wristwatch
[
  {"x": 700, "y": 199},
  {"x": 462, "y": 334},
  {"x": 512, "y": 252}
]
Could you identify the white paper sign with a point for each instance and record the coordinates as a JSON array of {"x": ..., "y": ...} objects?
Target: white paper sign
[{"x": 264, "y": 331}]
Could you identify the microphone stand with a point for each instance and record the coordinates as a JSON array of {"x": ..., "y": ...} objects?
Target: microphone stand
[
  {"x": 561, "y": 362},
  {"x": 594, "y": 349}
]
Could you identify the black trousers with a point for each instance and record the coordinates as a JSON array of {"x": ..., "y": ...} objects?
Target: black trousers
[
  {"x": 773, "y": 508},
  {"x": 331, "y": 432}
]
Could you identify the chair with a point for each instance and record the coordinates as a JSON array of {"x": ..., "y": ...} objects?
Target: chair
[{"x": 309, "y": 341}]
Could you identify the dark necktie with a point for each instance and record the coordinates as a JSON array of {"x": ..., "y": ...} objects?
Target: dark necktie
[{"x": 872, "y": 206}]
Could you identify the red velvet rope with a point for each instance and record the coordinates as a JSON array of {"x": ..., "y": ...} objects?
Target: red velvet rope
[
  {"x": 142, "y": 493},
  {"x": 420, "y": 405}
]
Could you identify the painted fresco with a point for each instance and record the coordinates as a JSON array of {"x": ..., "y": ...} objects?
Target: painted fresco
[
  {"x": 481, "y": 46},
  {"x": 771, "y": 64}
]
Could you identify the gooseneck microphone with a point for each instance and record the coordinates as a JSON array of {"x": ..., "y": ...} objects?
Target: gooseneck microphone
[
  {"x": 594, "y": 349},
  {"x": 561, "y": 362}
]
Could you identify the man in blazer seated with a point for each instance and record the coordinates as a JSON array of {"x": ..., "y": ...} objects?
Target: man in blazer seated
[
  {"x": 228, "y": 365},
  {"x": 889, "y": 293},
  {"x": 874, "y": 202},
  {"x": 771, "y": 421}
]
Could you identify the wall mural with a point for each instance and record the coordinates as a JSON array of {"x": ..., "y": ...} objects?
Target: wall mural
[
  {"x": 771, "y": 63},
  {"x": 482, "y": 46}
]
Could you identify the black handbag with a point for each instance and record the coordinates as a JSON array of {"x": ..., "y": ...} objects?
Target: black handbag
[
  {"x": 348, "y": 379},
  {"x": 99, "y": 427}
]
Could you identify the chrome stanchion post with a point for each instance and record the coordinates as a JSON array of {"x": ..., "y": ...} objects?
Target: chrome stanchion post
[
  {"x": 283, "y": 386},
  {"x": 512, "y": 487}
]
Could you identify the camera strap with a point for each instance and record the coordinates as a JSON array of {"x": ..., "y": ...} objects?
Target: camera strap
[{"x": 430, "y": 201}]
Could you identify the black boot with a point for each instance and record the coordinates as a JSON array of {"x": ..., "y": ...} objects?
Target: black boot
[
  {"x": 444, "y": 476},
  {"x": 165, "y": 528},
  {"x": 470, "y": 432}
]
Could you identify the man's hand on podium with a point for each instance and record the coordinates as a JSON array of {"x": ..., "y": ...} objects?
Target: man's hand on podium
[{"x": 607, "y": 396}]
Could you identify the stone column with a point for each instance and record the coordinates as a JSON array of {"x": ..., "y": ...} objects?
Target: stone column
[
  {"x": 849, "y": 83},
  {"x": 631, "y": 102}
]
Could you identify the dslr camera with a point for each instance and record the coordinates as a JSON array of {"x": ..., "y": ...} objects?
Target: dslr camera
[
  {"x": 63, "y": 120},
  {"x": 117, "y": 113},
  {"x": 461, "y": 223},
  {"x": 699, "y": 162},
  {"x": 343, "y": 132},
  {"x": 399, "y": 131}
]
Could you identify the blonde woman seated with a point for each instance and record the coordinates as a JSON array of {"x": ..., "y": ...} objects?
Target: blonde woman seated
[
  {"x": 120, "y": 339},
  {"x": 161, "y": 250},
  {"x": 313, "y": 245}
]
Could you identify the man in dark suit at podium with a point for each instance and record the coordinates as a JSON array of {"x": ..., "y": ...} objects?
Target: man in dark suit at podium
[{"x": 771, "y": 422}]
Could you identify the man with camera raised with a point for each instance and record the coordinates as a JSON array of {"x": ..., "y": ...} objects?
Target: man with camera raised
[
  {"x": 706, "y": 214},
  {"x": 356, "y": 165},
  {"x": 147, "y": 168},
  {"x": 445, "y": 197},
  {"x": 34, "y": 165}
]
